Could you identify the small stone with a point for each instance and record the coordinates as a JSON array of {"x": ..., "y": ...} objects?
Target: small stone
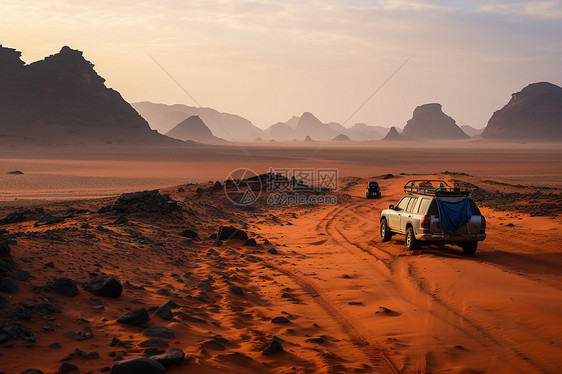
[
  {"x": 315, "y": 340},
  {"x": 159, "y": 332},
  {"x": 236, "y": 290},
  {"x": 273, "y": 251},
  {"x": 67, "y": 368},
  {"x": 153, "y": 342},
  {"x": 280, "y": 319},
  {"x": 55, "y": 345},
  {"x": 138, "y": 365}
]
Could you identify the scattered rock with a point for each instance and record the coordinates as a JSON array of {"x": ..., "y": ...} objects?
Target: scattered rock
[
  {"x": 171, "y": 356},
  {"x": 144, "y": 201},
  {"x": 280, "y": 319},
  {"x": 236, "y": 290},
  {"x": 138, "y": 365},
  {"x": 251, "y": 242},
  {"x": 315, "y": 340},
  {"x": 189, "y": 234},
  {"x": 274, "y": 347},
  {"x": 32, "y": 371},
  {"x": 273, "y": 251},
  {"x": 55, "y": 345},
  {"x": 8, "y": 285},
  {"x": 15, "y": 172},
  {"x": 65, "y": 287},
  {"x": 229, "y": 232},
  {"x": 510, "y": 225},
  {"x": 153, "y": 342},
  {"x": 355, "y": 303},
  {"x": 67, "y": 368},
  {"x": 137, "y": 317},
  {"x": 121, "y": 220},
  {"x": 106, "y": 286},
  {"x": 387, "y": 312},
  {"x": 159, "y": 332}
]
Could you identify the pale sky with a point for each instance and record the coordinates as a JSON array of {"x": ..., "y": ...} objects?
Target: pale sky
[{"x": 270, "y": 60}]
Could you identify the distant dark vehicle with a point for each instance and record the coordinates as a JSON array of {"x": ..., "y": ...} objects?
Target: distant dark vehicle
[
  {"x": 373, "y": 190},
  {"x": 434, "y": 212}
]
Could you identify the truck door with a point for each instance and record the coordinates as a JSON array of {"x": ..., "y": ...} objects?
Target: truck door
[{"x": 394, "y": 217}]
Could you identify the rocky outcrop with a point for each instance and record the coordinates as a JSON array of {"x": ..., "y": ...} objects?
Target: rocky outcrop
[
  {"x": 62, "y": 100},
  {"x": 534, "y": 113},
  {"x": 394, "y": 136},
  {"x": 429, "y": 122},
  {"x": 341, "y": 138},
  {"x": 193, "y": 128}
]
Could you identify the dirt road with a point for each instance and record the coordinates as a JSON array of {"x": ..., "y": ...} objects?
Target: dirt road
[{"x": 499, "y": 311}]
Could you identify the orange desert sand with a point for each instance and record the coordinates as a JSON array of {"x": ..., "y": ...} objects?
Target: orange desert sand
[{"x": 353, "y": 304}]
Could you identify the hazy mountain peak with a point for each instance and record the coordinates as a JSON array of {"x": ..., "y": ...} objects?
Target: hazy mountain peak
[
  {"x": 429, "y": 122},
  {"x": 534, "y": 113}
]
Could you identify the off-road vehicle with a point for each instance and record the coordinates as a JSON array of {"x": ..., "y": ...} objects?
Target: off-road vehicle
[
  {"x": 434, "y": 212},
  {"x": 373, "y": 190}
]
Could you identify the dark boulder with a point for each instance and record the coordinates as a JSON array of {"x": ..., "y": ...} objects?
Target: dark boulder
[
  {"x": 65, "y": 287},
  {"x": 32, "y": 371},
  {"x": 15, "y": 172},
  {"x": 274, "y": 347},
  {"x": 8, "y": 285},
  {"x": 171, "y": 356},
  {"x": 229, "y": 232},
  {"x": 280, "y": 320},
  {"x": 251, "y": 242},
  {"x": 159, "y": 332},
  {"x": 189, "y": 234},
  {"x": 106, "y": 286},
  {"x": 153, "y": 342},
  {"x": 138, "y": 365},
  {"x": 67, "y": 368},
  {"x": 236, "y": 290},
  {"x": 137, "y": 317},
  {"x": 145, "y": 202}
]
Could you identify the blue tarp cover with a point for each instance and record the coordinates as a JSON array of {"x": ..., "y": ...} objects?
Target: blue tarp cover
[{"x": 454, "y": 215}]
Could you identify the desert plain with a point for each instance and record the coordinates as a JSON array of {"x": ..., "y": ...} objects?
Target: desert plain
[{"x": 349, "y": 302}]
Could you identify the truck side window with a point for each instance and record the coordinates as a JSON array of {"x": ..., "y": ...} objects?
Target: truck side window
[
  {"x": 424, "y": 204},
  {"x": 403, "y": 203},
  {"x": 412, "y": 204}
]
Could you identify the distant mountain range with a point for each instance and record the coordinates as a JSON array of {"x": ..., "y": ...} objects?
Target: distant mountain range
[
  {"x": 307, "y": 125},
  {"x": 62, "y": 100},
  {"x": 534, "y": 114},
  {"x": 227, "y": 126}
]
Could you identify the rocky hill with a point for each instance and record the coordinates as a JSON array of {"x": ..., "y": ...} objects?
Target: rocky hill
[
  {"x": 193, "y": 128},
  {"x": 429, "y": 122},
  {"x": 534, "y": 113},
  {"x": 394, "y": 136},
  {"x": 227, "y": 126},
  {"x": 62, "y": 100}
]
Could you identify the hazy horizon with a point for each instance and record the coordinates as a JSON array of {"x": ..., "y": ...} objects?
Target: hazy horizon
[{"x": 268, "y": 61}]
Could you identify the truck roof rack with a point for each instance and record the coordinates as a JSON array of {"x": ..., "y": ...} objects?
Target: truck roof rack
[{"x": 434, "y": 187}]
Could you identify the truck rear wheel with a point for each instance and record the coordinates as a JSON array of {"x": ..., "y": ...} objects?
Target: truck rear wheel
[
  {"x": 386, "y": 235},
  {"x": 410, "y": 241},
  {"x": 469, "y": 248}
]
